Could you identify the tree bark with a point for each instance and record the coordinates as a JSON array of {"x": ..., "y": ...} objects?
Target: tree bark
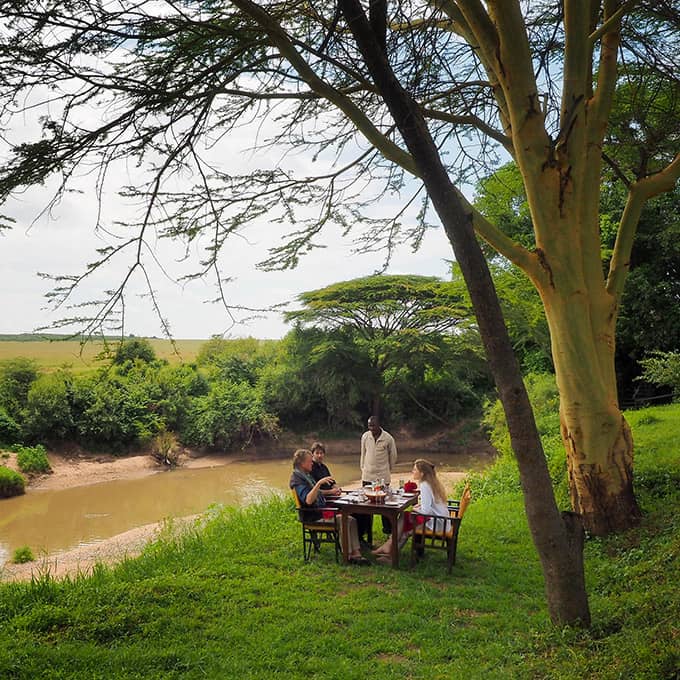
[
  {"x": 558, "y": 540},
  {"x": 596, "y": 436}
]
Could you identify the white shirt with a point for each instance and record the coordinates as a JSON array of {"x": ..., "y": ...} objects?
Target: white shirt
[
  {"x": 429, "y": 505},
  {"x": 378, "y": 457}
]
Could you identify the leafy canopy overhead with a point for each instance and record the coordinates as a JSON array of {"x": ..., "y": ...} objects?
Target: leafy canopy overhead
[{"x": 172, "y": 89}]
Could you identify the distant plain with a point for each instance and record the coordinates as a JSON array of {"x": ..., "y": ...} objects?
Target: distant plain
[{"x": 54, "y": 352}]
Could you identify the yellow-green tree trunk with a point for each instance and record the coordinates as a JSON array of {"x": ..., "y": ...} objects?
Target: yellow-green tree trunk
[{"x": 596, "y": 436}]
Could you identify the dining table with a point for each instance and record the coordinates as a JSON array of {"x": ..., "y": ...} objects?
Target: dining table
[{"x": 357, "y": 503}]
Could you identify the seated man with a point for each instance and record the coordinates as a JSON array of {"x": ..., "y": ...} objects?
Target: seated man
[
  {"x": 320, "y": 470},
  {"x": 309, "y": 492}
]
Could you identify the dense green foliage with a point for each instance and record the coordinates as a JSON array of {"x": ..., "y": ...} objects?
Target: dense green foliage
[
  {"x": 10, "y": 430},
  {"x": 663, "y": 368},
  {"x": 32, "y": 459},
  {"x": 11, "y": 482},
  {"x": 240, "y": 391},
  {"x": 16, "y": 377},
  {"x": 23, "y": 555},
  {"x": 233, "y": 598},
  {"x": 649, "y": 315}
]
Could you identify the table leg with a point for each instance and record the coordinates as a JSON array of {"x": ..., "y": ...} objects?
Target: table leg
[
  {"x": 395, "y": 541},
  {"x": 344, "y": 531}
]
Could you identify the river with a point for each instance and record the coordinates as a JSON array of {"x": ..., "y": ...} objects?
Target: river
[{"x": 50, "y": 521}]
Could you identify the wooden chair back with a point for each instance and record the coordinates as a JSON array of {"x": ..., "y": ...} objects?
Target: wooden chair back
[{"x": 464, "y": 501}]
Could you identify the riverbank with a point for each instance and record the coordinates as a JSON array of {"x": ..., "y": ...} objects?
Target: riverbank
[{"x": 72, "y": 468}]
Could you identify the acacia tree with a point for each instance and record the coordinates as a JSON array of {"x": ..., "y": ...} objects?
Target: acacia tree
[
  {"x": 387, "y": 318},
  {"x": 434, "y": 88}
]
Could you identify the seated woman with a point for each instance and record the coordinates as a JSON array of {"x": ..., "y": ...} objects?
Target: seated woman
[
  {"x": 432, "y": 502},
  {"x": 320, "y": 469},
  {"x": 309, "y": 492}
]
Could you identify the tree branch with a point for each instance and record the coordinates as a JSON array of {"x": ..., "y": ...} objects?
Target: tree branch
[
  {"x": 640, "y": 192},
  {"x": 472, "y": 121},
  {"x": 285, "y": 45},
  {"x": 614, "y": 20}
]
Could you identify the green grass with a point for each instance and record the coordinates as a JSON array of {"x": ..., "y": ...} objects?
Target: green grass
[
  {"x": 232, "y": 598},
  {"x": 53, "y": 354}
]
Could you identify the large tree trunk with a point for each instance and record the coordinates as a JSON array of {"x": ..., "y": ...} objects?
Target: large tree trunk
[
  {"x": 596, "y": 436},
  {"x": 558, "y": 540}
]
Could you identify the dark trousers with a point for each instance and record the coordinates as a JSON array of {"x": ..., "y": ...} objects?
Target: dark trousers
[{"x": 364, "y": 522}]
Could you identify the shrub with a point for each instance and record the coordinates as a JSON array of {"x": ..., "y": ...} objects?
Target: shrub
[
  {"x": 48, "y": 415},
  {"x": 231, "y": 413},
  {"x": 164, "y": 448},
  {"x": 16, "y": 377},
  {"x": 115, "y": 411},
  {"x": 9, "y": 429},
  {"x": 662, "y": 368},
  {"x": 33, "y": 459},
  {"x": 11, "y": 483},
  {"x": 23, "y": 555}
]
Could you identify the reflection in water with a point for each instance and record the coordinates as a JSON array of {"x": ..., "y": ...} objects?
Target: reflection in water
[{"x": 50, "y": 521}]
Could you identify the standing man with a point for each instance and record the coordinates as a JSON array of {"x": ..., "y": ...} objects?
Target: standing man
[{"x": 378, "y": 457}]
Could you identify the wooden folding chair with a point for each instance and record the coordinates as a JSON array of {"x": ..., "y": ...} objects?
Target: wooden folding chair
[
  {"x": 439, "y": 532},
  {"x": 316, "y": 531}
]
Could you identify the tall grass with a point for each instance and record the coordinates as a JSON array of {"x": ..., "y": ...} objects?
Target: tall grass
[{"x": 232, "y": 598}]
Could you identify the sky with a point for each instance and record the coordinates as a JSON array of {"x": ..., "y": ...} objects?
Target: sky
[{"x": 65, "y": 240}]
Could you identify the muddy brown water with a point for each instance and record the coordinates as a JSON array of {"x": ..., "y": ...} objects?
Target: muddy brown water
[{"x": 50, "y": 521}]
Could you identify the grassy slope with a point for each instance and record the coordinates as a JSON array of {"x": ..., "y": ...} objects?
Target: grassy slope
[
  {"x": 51, "y": 354},
  {"x": 235, "y": 600}
]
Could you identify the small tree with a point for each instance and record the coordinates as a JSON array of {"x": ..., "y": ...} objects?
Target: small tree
[{"x": 134, "y": 349}]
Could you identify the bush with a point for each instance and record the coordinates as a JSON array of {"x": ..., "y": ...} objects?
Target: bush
[
  {"x": 115, "y": 411},
  {"x": 23, "y": 555},
  {"x": 48, "y": 415},
  {"x": 662, "y": 368},
  {"x": 229, "y": 414},
  {"x": 9, "y": 429},
  {"x": 11, "y": 483},
  {"x": 165, "y": 449},
  {"x": 32, "y": 459},
  {"x": 16, "y": 377}
]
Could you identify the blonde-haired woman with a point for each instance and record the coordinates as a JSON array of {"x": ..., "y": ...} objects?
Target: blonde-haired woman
[
  {"x": 432, "y": 502},
  {"x": 432, "y": 491}
]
